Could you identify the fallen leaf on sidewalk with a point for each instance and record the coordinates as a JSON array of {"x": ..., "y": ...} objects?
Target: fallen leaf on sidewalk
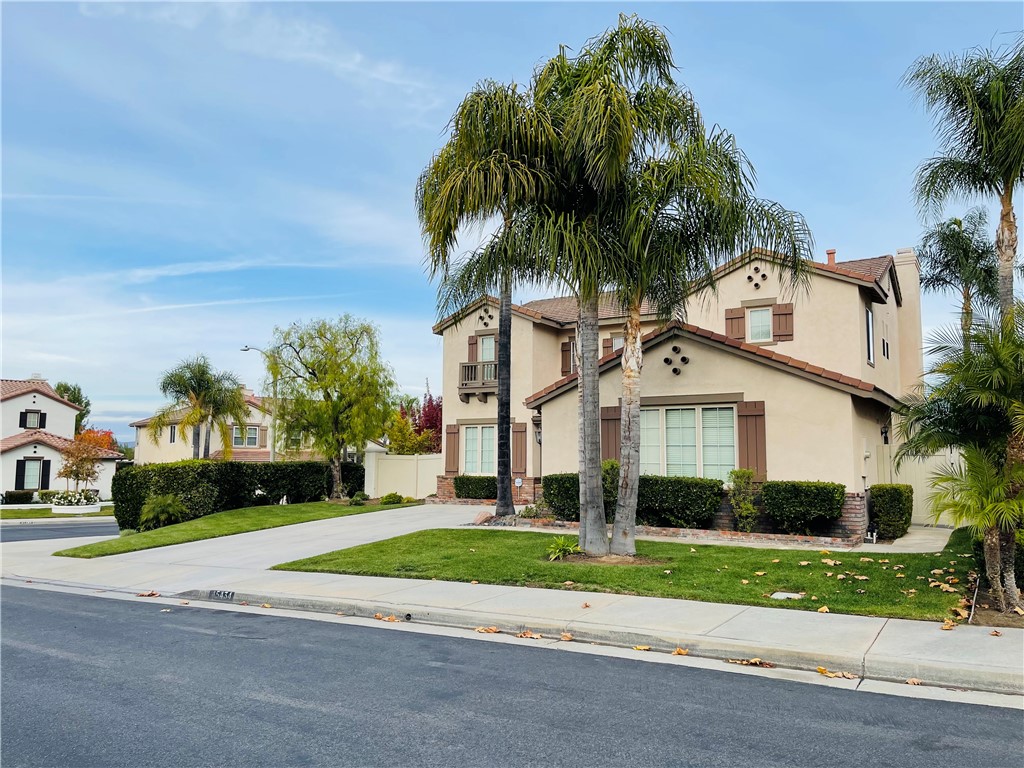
[
  {"x": 529, "y": 635},
  {"x": 913, "y": 681},
  {"x": 244, "y": 602},
  {"x": 755, "y": 662},
  {"x": 338, "y": 613},
  {"x": 641, "y": 647},
  {"x": 488, "y": 630},
  {"x": 378, "y": 616},
  {"x": 183, "y": 602},
  {"x": 960, "y": 612},
  {"x": 996, "y": 633},
  {"x": 566, "y": 636},
  {"x": 823, "y": 609},
  {"x": 585, "y": 605},
  {"x": 266, "y": 605},
  {"x": 148, "y": 594},
  {"x": 825, "y": 672},
  {"x": 474, "y": 581},
  {"x": 392, "y": 618},
  {"x": 681, "y": 652},
  {"x": 948, "y": 624}
]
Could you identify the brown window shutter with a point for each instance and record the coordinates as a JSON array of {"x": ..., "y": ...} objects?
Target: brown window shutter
[
  {"x": 736, "y": 323},
  {"x": 519, "y": 449},
  {"x": 611, "y": 432},
  {"x": 451, "y": 449},
  {"x": 263, "y": 437},
  {"x": 751, "y": 439},
  {"x": 566, "y": 358},
  {"x": 782, "y": 322},
  {"x": 471, "y": 353},
  {"x": 606, "y": 346}
]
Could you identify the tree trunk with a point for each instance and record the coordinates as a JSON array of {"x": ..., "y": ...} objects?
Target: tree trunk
[
  {"x": 993, "y": 565},
  {"x": 197, "y": 436},
  {"x": 1007, "y": 555},
  {"x": 594, "y": 538},
  {"x": 624, "y": 531},
  {"x": 966, "y": 319},
  {"x": 1006, "y": 248},
  {"x": 504, "y": 502},
  {"x": 338, "y": 491},
  {"x": 206, "y": 441}
]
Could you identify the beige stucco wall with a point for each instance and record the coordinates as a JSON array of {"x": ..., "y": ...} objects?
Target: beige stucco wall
[
  {"x": 808, "y": 426},
  {"x": 163, "y": 450},
  {"x": 60, "y": 419}
]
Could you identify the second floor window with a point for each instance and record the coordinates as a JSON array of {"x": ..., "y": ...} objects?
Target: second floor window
[
  {"x": 869, "y": 321},
  {"x": 760, "y": 322},
  {"x": 32, "y": 419},
  {"x": 486, "y": 349},
  {"x": 245, "y": 437}
]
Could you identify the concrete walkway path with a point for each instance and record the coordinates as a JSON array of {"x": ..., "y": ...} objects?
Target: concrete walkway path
[{"x": 234, "y": 569}]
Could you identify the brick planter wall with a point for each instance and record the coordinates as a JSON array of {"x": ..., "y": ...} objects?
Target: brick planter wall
[
  {"x": 852, "y": 523},
  {"x": 527, "y": 494}
]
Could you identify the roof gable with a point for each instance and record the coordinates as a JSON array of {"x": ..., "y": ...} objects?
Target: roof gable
[
  {"x": 49, "y": 439},
  {"x": 10, "y": 388}
]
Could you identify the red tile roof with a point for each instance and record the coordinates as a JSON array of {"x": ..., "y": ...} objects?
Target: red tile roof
[
  {"x": 49, "y": 439},
  {"x": 827, "y": 376},
  {"x": 263, "y": 455},
  {"x": 13, "y": 387}
]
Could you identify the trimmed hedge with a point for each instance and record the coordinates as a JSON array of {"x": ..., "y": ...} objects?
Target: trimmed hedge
[
  {"x": 892, "y": 506},
  {"x": 680, "y": 502},
  {"x": 801, "y": 506},
  {"x": 475, "y": 487},
  {"x": 205, "y": 487},
  {"x": 18, "y": 497}
]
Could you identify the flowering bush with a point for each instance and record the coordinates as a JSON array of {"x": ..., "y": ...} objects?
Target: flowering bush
[{"x": 74, "y": 498}]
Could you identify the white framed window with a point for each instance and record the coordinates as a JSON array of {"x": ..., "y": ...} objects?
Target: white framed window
[
  {"x": 480, "y": 446},
  {"x": 33, "y": 474},
  {"x": 487, "y": 349},
  {"x": 31, "y": 420},
  {"x": 869, "y": 321},
  {"x": 173, "y": 433},
  {"x": 698, "y": 441},
  {"x": 572, "y": 355},
  {"x": 250, "y": 439},
  {"x": 759, "y": 322},
  {"x": 618, "y": 342}
]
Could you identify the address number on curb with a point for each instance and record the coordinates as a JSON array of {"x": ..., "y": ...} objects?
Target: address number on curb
[{"x": 220, "y": 594}]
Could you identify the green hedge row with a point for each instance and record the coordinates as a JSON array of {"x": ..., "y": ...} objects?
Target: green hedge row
[
  {"x": 475, "y": 487},
  {"x": 802, "y": 507},
  {"x": 205, "y": 487},
  {"x": 678, "y": 502},
  {"x": 890, "y": 509},
  {"x": 18, "y": 497}
]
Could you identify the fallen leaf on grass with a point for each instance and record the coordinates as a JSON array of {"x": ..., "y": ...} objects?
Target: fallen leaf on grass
[
  {"x": 668, "y": 571},
  {"x": 823, "y": 609},
  {"x": 883, "y": 561},
  {"x": 947, "y": 588},
  {"x": 148, "y": 594},
  {"x": 861, "y": 591},
  {"x": 829, "y": 573},
  {"x": 760, "y": 573},
  {"x": 867, "y": 559},
  {"x": 996, "y": 633},
  {"x": 775, "y": 560},
  {"x": 568, "y": 583},
  {"x": 566, "y": 636},
  {"x": 814, "y": 597},
  {"x": 641, "y": 647},
  {"x": 830, "y": 561},
  {"x": 824, "y": 552},
  {"x": 901, "y": 575},
  {"x": 488, "y": 630},
  {"x": 937, "y": 572},
  {"x": 913, "y": 681},
  {"x": 755, "y": 662},
  {"x": 804, "y": 562},
  {"x": 692, "y": 549},
  {"x": 960, "y": 612},
  {"x": 841, "y": 576},
  {"x": 744, "y": 581},
  {"x": 681, "y": 652},
  {"x": 861, "y": 578},
  {"x": 585, "y": 605},
  {"x": 529, "y": 635}
]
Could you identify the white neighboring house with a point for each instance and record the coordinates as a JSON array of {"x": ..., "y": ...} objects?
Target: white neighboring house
[{"x": 37, "y": 425}]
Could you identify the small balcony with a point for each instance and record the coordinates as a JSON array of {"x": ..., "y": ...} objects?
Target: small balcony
[{"x": 480, "y": 379}]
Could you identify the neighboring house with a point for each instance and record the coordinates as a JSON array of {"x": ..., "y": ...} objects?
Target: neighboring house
[
  {"x": 37, "y": 425},
  {"x": 796, "y": 385}
]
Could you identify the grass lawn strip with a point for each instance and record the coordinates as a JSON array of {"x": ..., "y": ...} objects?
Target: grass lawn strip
[
  {"x": 222, "y": 524},
  {"x": 868, "y": 584},
  {"x": 35, "y": 514}
]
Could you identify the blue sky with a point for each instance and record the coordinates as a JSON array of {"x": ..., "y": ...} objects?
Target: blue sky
[{"x": 180, "y": 179}]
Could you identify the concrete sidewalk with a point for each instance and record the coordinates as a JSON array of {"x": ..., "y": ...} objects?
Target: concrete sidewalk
[{"x": 234, "y": 569}]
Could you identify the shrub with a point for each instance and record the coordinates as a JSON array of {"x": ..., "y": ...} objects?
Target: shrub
[
  {"x": 18, "y": 497},
  {"x": 162, "y": 510},
  {"x": 796, "y": 506},
  {"x": 891, "y": 507},
  {"x": 475, "y": 487},
  {"x": 359, "y": 496},
  {"x": 562, "y": 494},
  {"x": 391, "y": 498},
  {"x": 409, "y": 500},
  {"x": 678, "y": 502},
  {"x": 741, "y": 498},
  {"x": 529, "y": 512},
  {"x": 562, "y": 546},
  {"x": 299, "y": 481},
  {"x": 129, "y": 489},
  {"x": 46, "y": 497}
]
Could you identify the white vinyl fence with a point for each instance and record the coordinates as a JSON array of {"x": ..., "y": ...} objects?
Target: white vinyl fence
[
  {"x": 414, "y": 476},
  {"x": 918, "y": 474}
]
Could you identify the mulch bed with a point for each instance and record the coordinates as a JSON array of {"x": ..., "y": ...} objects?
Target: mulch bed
[{"x": 987, "y": 615}]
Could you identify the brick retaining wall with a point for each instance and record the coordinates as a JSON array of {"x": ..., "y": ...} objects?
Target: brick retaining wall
[{"x": 526, "y": 494}]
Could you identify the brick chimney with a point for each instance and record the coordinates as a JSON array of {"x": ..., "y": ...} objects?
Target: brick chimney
[{"x": 831, "y": 253}]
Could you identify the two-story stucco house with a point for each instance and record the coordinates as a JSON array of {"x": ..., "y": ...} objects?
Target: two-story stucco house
[
  {"x": 794, "y": 384},
  {"x": 38, "y": 424}
]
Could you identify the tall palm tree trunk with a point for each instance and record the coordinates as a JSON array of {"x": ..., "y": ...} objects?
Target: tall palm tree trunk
[
  {"x": 994, "y": 566},
  {"x": 206, "y": 440},
  {"x": 594, "y": 537},
  {"x": 504, "y": 502},
  {"x": 624, "y": 530},
  {"x": 197, "y": 436},
  {"x": 1006, "y": 248},
  {"x": 966, "y": 319}
]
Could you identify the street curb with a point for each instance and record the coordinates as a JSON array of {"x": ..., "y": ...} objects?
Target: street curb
[
  {"x": 867, "y": 666},
  {"x": 58, "y": 520}
]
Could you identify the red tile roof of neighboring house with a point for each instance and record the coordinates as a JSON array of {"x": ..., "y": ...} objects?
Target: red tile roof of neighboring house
[
  {"x": 564, "y": 309},
  {"x": 49, "y": 439},
  {"x": 13, "y": 387},
  {"x": 263, "y": 455},
  {"x": 824, "y": 375},
  {"x": 254, "y": 401}
]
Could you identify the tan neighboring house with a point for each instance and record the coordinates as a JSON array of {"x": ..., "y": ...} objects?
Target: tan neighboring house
[
  {"x": 249, "y": 441},
  {"x": 796, "y": 385},
  {"x": 38, "y": 424}
]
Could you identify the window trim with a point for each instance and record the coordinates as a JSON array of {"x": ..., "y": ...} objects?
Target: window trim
[
  {"x": 38, "y": 462},
  {"x": 29, "y": 414},
  {"x": 480, "y": 337},
  {"x": 750, "y": 326},
  {"x": 699, "y": 432},
  {"x": 240, "y": 441},
  {"x": 869, "y": 323},
  {"x": 464, "y": 445}
]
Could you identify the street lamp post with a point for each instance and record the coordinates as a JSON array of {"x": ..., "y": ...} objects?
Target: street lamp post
[{"x": 273, "y": 410}]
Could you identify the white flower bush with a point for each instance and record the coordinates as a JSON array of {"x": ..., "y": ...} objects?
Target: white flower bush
[{"x": 73, "y": 498}]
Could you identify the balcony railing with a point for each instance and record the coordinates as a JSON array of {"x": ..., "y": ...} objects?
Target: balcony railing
[{"x": 480, "y": 379}]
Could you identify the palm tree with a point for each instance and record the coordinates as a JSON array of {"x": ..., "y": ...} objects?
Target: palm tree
[
  {"x": 680, "y": 217},
  {"x": 489, "y": 168},
  {"x": 977, "y": 101},
  {"x": 200, "y": 396},
  {"x": 957, "y": 255}
]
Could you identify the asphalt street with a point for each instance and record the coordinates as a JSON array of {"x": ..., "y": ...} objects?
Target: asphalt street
[
  {"x": 97, "y": 682},
  {"x": 55, "y": 530}
]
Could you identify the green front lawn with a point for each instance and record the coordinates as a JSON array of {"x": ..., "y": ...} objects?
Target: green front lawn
[
  {"x": 44, "y": 511},
  {"x": 222, "y": 524},
  {"x": 687, "y": 571}
]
